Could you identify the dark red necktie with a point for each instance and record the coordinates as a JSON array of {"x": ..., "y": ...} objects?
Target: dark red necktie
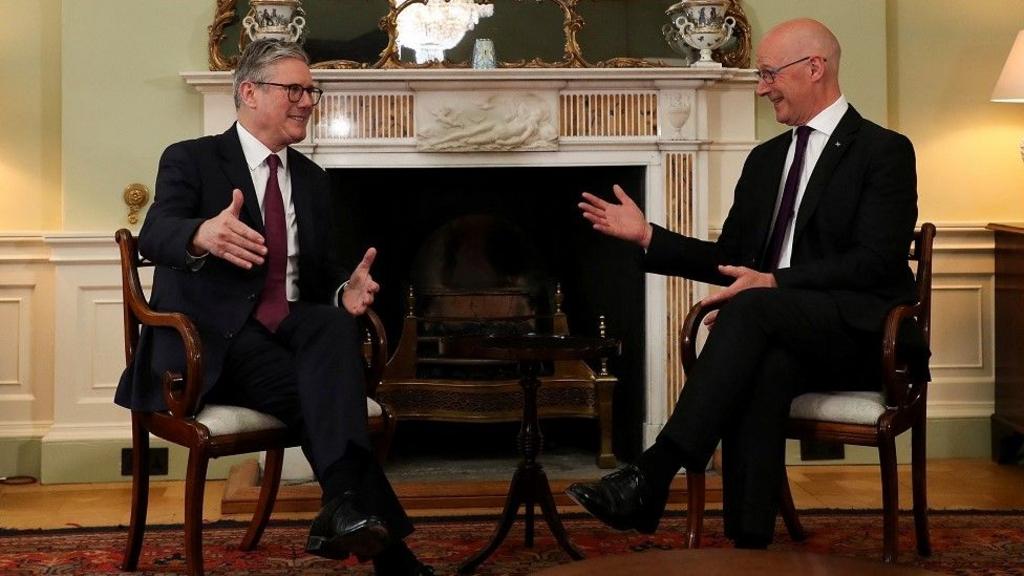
[
  {"x": 787, "y": 206},
  {"x": 273, "y": 304}
]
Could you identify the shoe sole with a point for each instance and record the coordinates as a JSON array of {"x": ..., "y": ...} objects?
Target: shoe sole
[{"x": 365, "y": 542}]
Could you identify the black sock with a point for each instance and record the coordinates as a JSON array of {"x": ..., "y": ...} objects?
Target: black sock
[
  {"x": 395, "y": 560},
  {"x": 660, "y": 463}
]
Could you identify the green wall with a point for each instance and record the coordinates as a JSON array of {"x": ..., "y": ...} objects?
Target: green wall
[
  {"x": 860, "y": 26},
  {"x": 123, "y": 99},
  {"x": 945, "y": 57},
  {"x": 30, "y": 50}
]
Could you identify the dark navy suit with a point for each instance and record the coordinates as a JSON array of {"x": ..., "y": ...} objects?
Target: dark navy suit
[
  {"x": 820, "y": 329},
  {"x": 308, "y": 373}
]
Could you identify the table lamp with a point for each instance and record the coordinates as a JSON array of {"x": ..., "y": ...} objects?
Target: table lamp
[{"x": 1010, "y": 86}]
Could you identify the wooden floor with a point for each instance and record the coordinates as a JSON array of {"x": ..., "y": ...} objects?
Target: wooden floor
[{"x": 952, "y": 484}]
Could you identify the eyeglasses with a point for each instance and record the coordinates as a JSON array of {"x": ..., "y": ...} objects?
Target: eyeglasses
[
  {"x": 295, "y": 91},
  {"x": 768, "y": 75}
]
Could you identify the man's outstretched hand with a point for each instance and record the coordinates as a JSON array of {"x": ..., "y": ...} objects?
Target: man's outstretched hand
[
  {"x": 227, "y": 238},
  {"x": 360, "y": 290},
  {"x": 624, "y": 220}
]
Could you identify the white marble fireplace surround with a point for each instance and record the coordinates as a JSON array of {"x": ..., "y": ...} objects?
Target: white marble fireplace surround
[{"x": 690, "y": 129}]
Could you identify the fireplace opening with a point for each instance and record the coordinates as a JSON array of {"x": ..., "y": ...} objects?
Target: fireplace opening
[{"x": 507, "y": 239}]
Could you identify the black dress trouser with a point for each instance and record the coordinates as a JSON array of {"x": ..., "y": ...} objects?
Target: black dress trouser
[
  {"x": 309, "y": 374},
  {"x": 765, "y": 347}
]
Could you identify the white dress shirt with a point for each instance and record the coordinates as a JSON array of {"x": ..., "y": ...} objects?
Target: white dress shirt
[
  {"x": 822, "y": 127},
  {"x": 256, "y": 159}
]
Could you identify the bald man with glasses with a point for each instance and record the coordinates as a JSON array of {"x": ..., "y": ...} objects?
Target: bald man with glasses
[{"x": 811, "y": 256}]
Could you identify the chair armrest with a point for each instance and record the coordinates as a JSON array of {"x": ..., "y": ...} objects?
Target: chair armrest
[
  {"x": 375, "y": 350},
  {"x": 181, "y": 393},
  {"x": 900, "y": 388},
  {"x": 689, "y": 331}
]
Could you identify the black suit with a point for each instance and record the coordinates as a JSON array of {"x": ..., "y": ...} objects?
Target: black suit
[
  {"x": 818, "y": 329},
  {"x": 308, "y": 372}
]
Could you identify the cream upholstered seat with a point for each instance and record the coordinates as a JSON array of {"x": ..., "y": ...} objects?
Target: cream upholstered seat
[
  {"x": 222, "y": 419},
  {"x": 844, "y": 407}
]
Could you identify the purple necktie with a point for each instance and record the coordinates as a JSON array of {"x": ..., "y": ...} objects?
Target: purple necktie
[
  {"x": 273, "y": 304},
  {"x": 787, "y": 207}
]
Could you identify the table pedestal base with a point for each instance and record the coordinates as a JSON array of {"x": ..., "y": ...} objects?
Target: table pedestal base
[{"x": 529, "y": 487}]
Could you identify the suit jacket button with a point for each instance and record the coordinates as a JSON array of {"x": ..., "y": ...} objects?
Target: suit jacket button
[
  {"x": 229, "y": 335},
  {"x": 252, "y": 297}
]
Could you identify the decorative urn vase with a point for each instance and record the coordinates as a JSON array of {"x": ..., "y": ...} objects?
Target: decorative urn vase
[
  {"x": 701, "y": 24},
  {"x": 278, "y": 19}
]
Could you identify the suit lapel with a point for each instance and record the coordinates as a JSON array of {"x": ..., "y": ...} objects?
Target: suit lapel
[
  {"x": 775, "y": 163},
  {"x": 303, "y": 202},
  {"x": 237, "y": 171},
  {"x": 841, "y": 140}
]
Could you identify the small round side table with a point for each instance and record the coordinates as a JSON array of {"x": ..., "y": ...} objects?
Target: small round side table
[{"x": 529, "y": 484}]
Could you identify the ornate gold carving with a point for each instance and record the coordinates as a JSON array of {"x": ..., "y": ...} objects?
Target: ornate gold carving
[
  {"x": 629, "y": 63},
  {"x": 136, "y": 196},
  {"x": 740, "y": 56},
  {"x": 571, "y": 26},
  {"x": 226, "y": 15}
]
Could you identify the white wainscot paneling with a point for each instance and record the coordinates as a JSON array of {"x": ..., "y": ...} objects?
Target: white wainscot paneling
[
  {"x": 15, "y": 345},
  {"x": 89, "y": 340},
  {"x": 962, "y": 363},
  {"x": 25, "y": 331}
]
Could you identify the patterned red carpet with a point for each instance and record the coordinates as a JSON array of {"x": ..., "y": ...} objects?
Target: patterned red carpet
[{"x": 966, "y": 543}]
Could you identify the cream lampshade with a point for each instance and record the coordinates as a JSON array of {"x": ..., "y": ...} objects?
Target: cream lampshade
[{"x": 1010, "y": 86}]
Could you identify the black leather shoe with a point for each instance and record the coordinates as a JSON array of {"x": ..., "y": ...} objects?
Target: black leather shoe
[
  {"x": 623, "y": 500},
  {"x": 340, "y": 530}
]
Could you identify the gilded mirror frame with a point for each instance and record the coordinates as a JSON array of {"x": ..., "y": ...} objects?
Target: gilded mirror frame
[{"x": 572, "y": 22}]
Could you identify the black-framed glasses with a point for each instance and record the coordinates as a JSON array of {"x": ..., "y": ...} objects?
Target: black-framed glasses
[
  {"x": 295, "y": 91},
  {"x": 768, "y": 75}
]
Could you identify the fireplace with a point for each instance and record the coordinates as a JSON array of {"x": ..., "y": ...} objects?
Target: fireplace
[
  {"x": 505, "y": 238},
  {"x": 679, "y": 133}
]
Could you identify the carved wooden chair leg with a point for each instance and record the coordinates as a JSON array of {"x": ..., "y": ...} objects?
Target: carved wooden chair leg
[
  {"x": 695, "y": 508},
  {"x": 890, "y": 499},
  {"x": 140, "y": 494},
  {"x": 195, "y": 488},
  {"x": 788, "y": 509},
  {"x": 268, "y": 494},
  {"x": 918, "y": 469}
]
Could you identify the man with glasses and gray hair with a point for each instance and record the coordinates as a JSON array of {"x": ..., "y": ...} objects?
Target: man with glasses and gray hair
[
  {"x": 240, "y": 230},
  {"x": 812, "y": 255}
]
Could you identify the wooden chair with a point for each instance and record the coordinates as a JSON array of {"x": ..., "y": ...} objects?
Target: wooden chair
[
  {"x": 859, "y": 418},
  {"x": 214, "y": 430}
]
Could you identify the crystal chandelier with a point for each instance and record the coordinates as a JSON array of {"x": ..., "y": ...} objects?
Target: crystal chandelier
[{"x": 438, "y": 25}]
